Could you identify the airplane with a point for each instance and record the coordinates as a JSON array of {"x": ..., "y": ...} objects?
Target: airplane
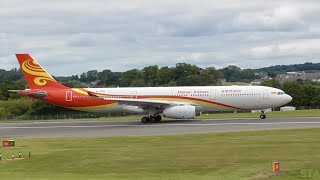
[{"x": 171, "y": 102}]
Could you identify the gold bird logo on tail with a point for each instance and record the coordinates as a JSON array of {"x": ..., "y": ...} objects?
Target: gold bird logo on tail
[{"x": 31, "y": 67}]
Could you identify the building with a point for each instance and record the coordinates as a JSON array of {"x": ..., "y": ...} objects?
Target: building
[
  {"x": 288, "y": 108},
  {"x": 294, "y": 76}
]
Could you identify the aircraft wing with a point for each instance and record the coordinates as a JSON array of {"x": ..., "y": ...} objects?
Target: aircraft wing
[{"x": 146, "y": 103}]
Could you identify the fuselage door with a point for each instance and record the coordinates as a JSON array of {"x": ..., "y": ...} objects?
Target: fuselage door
[
  {"x": 265, "y": 93},
  {"x": 134, "y": 95},
  {"x": 264, "y": 98},
  {"x": 69, "y": 96},
  {"x": 213, "y": 95}
]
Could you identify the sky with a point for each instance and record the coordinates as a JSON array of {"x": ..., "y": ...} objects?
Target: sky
[{"x": 68, "y": 37}]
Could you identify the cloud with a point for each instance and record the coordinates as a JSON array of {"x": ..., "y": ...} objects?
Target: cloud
[
  {"x": 283, "y": 18},
  {"x": 70, "y": 37},
  {"x": 300, "y": 48}
]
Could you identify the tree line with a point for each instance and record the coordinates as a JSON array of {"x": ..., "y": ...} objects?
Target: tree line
[
  {"x": 308, "y": 66},
  {"x": 182, "y": 74},
  {"x": 302, "y": 93}
]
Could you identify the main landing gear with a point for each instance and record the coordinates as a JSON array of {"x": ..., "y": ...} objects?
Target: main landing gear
[
  {"x": 262, "y": 115},
  {"x": 153, "y": 119}
]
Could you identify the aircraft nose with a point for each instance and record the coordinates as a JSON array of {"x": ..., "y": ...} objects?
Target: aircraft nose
[{"x": 288, "y": 98}]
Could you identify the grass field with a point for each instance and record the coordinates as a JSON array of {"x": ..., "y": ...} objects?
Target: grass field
[
  {"x": 274, "y": 114},
  {"x": 241, "y": 155}
]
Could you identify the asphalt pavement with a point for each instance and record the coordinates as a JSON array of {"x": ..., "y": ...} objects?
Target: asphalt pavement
[{"x": 136, "y": 128}]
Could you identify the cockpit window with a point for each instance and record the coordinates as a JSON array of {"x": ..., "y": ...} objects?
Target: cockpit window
[{"x": 280, "y": 93}]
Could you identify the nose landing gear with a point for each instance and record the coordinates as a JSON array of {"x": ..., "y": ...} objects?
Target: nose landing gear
[{"x": 262, "y": 115}]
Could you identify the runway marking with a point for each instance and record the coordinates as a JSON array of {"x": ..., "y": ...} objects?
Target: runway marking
[{"x": 158, "y": 125}]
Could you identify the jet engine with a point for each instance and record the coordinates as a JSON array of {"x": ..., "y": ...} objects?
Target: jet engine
[{"x": 180, "y": 112}]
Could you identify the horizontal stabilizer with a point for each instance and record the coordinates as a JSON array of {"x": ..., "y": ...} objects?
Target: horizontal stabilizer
[
  {"x": 16, "y": 91},
  {"x": 38, "y": 95}
]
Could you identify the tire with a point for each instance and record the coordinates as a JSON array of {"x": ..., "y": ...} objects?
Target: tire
[
  {"x": 158, "y": 118},
  {"x": 153, "y": 120},
  {"x": 263, "y": 116},
  {"x": 144, "y": 120}
]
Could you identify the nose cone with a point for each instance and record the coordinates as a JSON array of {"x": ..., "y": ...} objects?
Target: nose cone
[{"x": 288, "y": 98}]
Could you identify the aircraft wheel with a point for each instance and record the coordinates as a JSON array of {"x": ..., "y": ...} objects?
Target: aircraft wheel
[
  {"x": 153, "y": 119},
  {"x": 263, "y": 116},
  {"x": 158, "y": 118},
  {"x": 144, "y": 120}
]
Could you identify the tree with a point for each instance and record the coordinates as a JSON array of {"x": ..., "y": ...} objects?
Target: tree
[
  {"x": 89, "y": 76},
  {"x": 315, "y": 101},
  {"x": 272, "y": 83},
  {"x": 295, "y": 90},
  {"x": 129, "y": 76},
  {"x": 211, "y": 76},
  {"x": 10, "y": 85},
  {"x": 92, "y": 75},
  {"x": 231, "y": 72},
  {"x": 183, "y": 70},
  {"x": 150, "y": 75},
  {"x": 164, "y": 76},
  {"x": 192, "y": 80},
  {"x": 309, "y": 93},
  {"x": 272, "y": 74},
  {"x": 15, "y": 107},
  {"x": 247, "y": 75},
  {"x": 138, "y": 83},
  {"x": 73, "y": 84},
  {"x": 109, "y": 78}
]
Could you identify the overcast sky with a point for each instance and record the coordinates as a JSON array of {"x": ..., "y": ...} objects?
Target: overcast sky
[{"x": 73, "y": 36}]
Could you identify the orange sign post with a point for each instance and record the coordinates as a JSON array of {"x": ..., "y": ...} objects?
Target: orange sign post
[{"x": 276, "y": 167}]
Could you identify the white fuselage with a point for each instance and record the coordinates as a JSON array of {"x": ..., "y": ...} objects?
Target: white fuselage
[{"x": 206, "y": 98}]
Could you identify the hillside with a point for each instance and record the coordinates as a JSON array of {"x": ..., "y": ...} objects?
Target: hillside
[
  {"x": 181, "y": 75},
  {"x": 308, "y": 66}
]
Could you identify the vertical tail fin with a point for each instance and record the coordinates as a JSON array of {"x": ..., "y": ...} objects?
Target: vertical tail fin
[{"x": 35, "y": 75}]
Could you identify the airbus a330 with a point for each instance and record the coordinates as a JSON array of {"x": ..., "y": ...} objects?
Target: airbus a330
[{"x": 154, "y": 102}]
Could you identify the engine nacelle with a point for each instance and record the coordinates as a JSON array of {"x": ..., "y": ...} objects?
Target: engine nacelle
[{"x": 180, "y": 112}]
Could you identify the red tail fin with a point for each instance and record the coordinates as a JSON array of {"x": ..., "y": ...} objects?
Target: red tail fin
[{"x": 35, "y": 75}]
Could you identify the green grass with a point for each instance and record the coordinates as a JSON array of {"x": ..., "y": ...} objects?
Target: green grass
[
  {"x": 241, "y": 155},
  {"x": 274, "y": 114}
]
